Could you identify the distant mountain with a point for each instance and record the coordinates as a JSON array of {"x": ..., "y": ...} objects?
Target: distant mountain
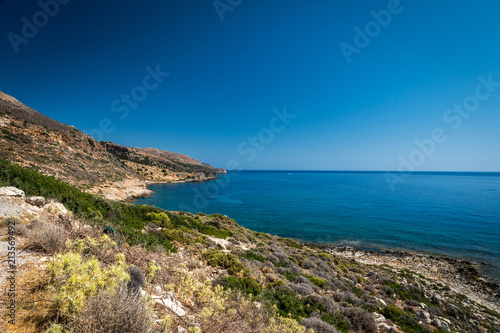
[{"x": 31, "y": 139}]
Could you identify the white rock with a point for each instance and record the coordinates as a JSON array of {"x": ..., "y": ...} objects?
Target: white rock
[
  {"x": 55, "y": 208},
  {"x": 441, "y": 325},
  {"x": 35, "y": 201},
  {"x": 379, "y": 318},
  {"x": 381, "y": 301},
  {"x": 158, "y": 290},
  {"x": 383, "y": 327},
  {"x": 170, "y": 303},
  {"x": 11, "y": 191},
  {"x": 181, "y": 329}
]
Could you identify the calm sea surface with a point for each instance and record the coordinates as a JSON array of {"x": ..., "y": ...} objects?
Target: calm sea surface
[{"x": 456, "y": 214}]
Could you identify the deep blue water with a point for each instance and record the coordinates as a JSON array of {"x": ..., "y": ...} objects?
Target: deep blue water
[{"x": 456, "y": 214}]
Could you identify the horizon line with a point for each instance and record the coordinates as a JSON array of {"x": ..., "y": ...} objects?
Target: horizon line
[{"x": 355, "y": 171}]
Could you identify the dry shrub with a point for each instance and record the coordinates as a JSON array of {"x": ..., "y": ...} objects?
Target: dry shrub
[
  {"x": 5, "y": 222},
  {"x": 301, "y": 289},
  {"x": 318, "y": 325},
  {"x": 35, "y": 307},
  {"x": 361, "y": 320},
  {"x": 46, "y": 238},
  {"x": 114, "y": 312}
]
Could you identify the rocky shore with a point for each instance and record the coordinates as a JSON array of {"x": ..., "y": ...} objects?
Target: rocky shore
[
  {"x": 462, "y": 276},
  {"x": 132, "y": 189}
]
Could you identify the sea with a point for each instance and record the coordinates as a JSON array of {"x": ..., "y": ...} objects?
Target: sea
[{"x": 455, "y": 214}]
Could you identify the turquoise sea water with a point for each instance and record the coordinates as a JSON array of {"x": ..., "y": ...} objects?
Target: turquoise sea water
[{"x": 456, "y": 214}]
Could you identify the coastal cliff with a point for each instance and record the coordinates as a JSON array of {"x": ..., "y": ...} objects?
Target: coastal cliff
[{"x": 33, "y": 140}]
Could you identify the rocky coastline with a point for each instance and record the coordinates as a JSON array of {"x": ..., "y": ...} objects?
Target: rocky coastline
[
  {"x": 133, "y": 189},
  {"x": 462, "y": 276}
]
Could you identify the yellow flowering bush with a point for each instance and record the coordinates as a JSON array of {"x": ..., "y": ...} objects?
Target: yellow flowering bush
[{"x": 73, "y": 280}]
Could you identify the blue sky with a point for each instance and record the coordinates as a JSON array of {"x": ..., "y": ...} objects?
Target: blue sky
[{"x": 226, "y": 76}]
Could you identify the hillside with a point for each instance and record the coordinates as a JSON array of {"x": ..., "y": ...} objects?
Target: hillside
[{"x": 33, "y": 140}]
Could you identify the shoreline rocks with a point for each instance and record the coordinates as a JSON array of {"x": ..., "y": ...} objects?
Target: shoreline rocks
[{"x": 461, "y": 276}]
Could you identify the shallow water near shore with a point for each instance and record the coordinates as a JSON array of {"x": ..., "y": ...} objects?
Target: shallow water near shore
[{"x": 455, "y": 214}]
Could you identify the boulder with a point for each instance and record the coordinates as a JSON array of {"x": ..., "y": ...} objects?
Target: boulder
[
  {"x": 424, "y": 316},
  {"x": 11, "y": 191},
  {"x": 170, "y": 302},
  {"x": 441, "y": 325},
  {"x": 55, "y": 208},
  {"x": 35, "y": 201}
]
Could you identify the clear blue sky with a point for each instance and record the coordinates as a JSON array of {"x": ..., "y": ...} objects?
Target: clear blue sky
[{"x": 226, "y": 77}]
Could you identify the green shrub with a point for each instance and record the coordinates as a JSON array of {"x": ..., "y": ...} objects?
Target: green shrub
[
  {"x": 126, "y": 219},
  {"x": 177, "y": 235},
  {"x": 291, "y": 243},
  {"x": 405, "y": 321},
  {"x": 227, "y": 261},
  {"x": 407, "y": 292},
  {"x": 251, "y": 255},
  {"x": 357, "y": 291},
  {"x": 315, "y": 280},
  {"x": 246, "y": 285},
  {"x": 287, "y": 303},
  {"x": 336, "y": 320},
  {"x": 343, "y": 268}
]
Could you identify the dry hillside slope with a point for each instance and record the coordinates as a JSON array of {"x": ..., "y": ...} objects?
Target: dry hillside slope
[{"x": 31, "y": 139}]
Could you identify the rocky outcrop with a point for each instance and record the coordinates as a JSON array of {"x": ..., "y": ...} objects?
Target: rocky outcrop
[
  {"x": 33, "y": 140},
  {"x": 55, "y": 208},
  {"x": 36, "y": 201},
  {"x": 218, "y": 171},
  {"x": 11, "y": 192}
]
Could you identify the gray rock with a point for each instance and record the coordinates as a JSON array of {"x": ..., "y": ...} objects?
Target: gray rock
[
  {"x": 11, "y": 191},
  {"x": 35, "y": 201},
  {"x": 441, "y": 325},
  {"x": 424, "y": 316}
]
